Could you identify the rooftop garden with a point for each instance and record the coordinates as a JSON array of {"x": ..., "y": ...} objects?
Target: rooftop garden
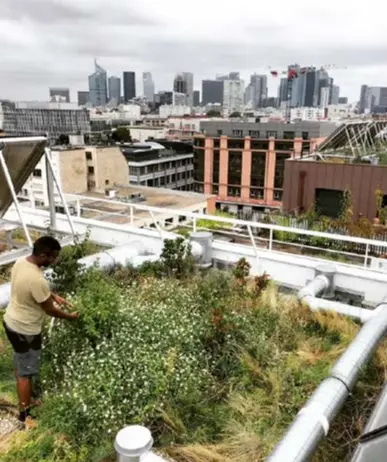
[{"x": 216, "y": 364}]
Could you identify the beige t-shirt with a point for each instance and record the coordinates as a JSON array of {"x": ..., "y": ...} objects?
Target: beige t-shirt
[{"x": 29, "y": 289}]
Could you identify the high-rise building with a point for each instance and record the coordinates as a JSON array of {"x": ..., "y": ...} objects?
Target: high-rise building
[
  {"x": 189, "y": 78},
  {"x": 256, "y": 92},
  {"x": 283, "y": 91},
  {"x": 60, "y": 93},
  {"x": 129, "y": 86},
  {"x": 323, "y": 82},
  {"x": 373, "y": 99},
  {"x": 196, "y": 98},
  {"x": 310, "y": 87},
  {"x": 98, "y": 86},
  {"x": 335, "y": 94},
  {"x": 149, "y": 86},
  {"x": 212, "y": 92},
  {"x": 180, "y": 84},
  {"x": 83, "y": 98},
  {"x": 233, "y": 95},
  {"x": 114, "y": 89}
]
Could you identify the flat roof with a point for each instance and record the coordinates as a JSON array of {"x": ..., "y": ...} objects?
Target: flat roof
[{"x": 103, "y": 207}]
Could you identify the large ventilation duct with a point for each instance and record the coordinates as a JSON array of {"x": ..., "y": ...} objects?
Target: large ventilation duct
[{"x": 313, "y": 421}]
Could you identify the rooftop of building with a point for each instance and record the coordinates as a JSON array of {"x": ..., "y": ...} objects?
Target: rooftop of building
[
  {"x": 315, "y": 129},
  {"x": 116, "y": 210},
  {"x": 354, "y": 142}
]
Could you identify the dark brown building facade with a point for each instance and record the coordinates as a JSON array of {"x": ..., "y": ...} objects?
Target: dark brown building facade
[{"x": 323, "y": 184}]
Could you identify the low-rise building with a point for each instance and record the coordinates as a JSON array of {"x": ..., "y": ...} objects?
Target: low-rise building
[
  {"x": 161, "y": 164},
  {"x": 78, "y": 170},
  {"x": 243, "y": 163},
  {"x": 40, "y": 118}
]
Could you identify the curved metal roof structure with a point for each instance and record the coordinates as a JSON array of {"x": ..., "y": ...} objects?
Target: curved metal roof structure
[{"x": 21, "y": 156}]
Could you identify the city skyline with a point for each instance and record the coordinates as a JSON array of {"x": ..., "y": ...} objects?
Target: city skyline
[{"x": 53, "y": 45}]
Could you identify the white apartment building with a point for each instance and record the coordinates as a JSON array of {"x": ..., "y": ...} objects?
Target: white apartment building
[
  {"x": 124, "y": 112},
  {"x": 307, "y": 113},
  {"x": 78, "y": 170},
  {"x": 233, "y": 95},
  {"x": 168, "y": 110},
  {"x": 144, "y": 133}
]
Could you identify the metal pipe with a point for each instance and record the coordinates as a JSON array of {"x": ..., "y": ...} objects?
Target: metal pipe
[
  {"x": 321, "y": 304},
  {"x": 312, "y": 423},
  {"x": 47, "y": 152},
  {"x": 134, "y": 253},
  {"x": 50, "y": 194}
]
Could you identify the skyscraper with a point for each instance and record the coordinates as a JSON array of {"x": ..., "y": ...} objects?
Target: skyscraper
[
  {"x": 180, "y": 84},
  {"x": 335, "y": 94},
  {"x": 196, "y": 98},
  {"x": 233, "y": 95},
  {"x": 129, "y": 86},
  {"x": 149, "y": 86},
  {"x": 189, "y": 78},
  {"x": 256, "y": 92},
  {"x": 61, "y": 93},
  {"x": 283, "y": 90},
  {"x": 83, "y": 98},
  {"x": 98, "y": 86},
  {"x": 114, "y": 89},
  {"x": 212, "y": 92}
]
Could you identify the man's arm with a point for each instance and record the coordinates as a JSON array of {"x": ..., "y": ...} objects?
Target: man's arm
[
  {"x": 50, "y": 309},
  {"x": 59, "y": 300}
]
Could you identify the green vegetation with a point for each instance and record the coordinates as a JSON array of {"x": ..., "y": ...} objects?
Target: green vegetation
[
  {"x": 216, "y": 364},
  {"x": 121, "y": 135}
]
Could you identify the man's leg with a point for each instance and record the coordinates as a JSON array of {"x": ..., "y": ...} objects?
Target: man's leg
[{"x": 26, "y": 365}]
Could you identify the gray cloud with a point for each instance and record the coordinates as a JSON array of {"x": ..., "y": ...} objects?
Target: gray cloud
[
  {"x": 54, "y": 42},
  {"x": 54, "y": 12}
]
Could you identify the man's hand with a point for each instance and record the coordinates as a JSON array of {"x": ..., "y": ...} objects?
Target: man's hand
[
  {"x": 72, "y": 316},
  {"x": 60, "y": 301}
]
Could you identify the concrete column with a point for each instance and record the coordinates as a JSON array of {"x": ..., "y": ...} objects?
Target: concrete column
[
  {"x": 208, "y": 165},
  {"x": 297, "y": 147},
  {"x": 223, "y": 168},
  {"x": 270, "y": 170},
  {"x": 246, "y": 175}
]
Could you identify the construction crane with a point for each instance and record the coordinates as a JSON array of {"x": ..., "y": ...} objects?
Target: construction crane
[{"x": 293, "y": 73}]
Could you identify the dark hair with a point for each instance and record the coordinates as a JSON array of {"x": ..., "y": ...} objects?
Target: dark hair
[{"x": 46, "y": 245}]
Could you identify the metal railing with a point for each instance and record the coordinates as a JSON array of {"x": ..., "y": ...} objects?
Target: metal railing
[{"x": 158, "y": 215}]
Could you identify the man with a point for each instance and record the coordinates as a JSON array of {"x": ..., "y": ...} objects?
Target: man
[{"x": 31, "y": 298}]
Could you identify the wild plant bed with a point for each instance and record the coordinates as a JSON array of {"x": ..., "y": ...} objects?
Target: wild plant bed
[{"x": 217, "y": 365}]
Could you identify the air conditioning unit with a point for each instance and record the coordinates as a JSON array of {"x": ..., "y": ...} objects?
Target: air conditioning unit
[{"x": 379, "y": 264}]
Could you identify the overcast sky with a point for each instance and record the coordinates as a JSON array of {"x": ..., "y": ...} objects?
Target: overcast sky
[{"x": 47, "y": 43}]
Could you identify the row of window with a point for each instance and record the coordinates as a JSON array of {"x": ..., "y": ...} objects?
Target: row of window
[
  {"x": 260, "y": 145},
  {"x": 161, "y": 167},
  {"x": 258, "y": 168},
  {"x": 235, "y": 191}
]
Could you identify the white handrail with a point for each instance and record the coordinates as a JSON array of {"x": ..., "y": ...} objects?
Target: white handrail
[{"x": 236, "y": 221}]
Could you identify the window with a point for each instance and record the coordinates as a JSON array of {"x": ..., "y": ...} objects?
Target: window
[
  {"x": 329, "y": 202},
  {"x": 107, "y": 182},
  {"x": 215, "y": 189},
  {"x": 89, "y": 155},
  {"x": 37, "y": 173},
  {"x": 258, "y": 169},
  {"x": 254, "y": 133},
  {"x": 284, "y": 145},
  {"x": 233, "y": 191},
  {"x": 279, "y": 170},
  {"x": 237, "y": 133},
  {"x": 199, "y": 165},
  {"x": 215, "y": 171},
  {"x": 289, "y": 135},
  {"x": 236, "y": 144},
  {"x": 219, "y": 132},
  {"x": 199, "y": 142},
  {"x": 305, "y": 135},
  {"x": 278, "y": 195},
  {"x": 259, "y": 145},
  {"x": 234, "y": 168},
  {"x": 256, "y": 193},
  {"x": 90, "y": 170},
  {"x": 216, "y": 143},
  {"x": 271, "y": 134}
]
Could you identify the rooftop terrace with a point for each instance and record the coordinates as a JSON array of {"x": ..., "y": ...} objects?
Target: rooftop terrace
[{"x": 317, "y": 285}]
